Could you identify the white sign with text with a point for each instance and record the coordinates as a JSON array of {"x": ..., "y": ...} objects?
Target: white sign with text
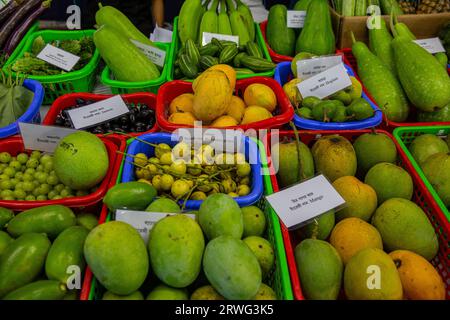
[
  {"x": 208, "y": 36},
  {"x": 58, "y": 57},
  {"x": 432, "y": 45},
  {"x": 296, "y": 19},
  {"x": 310, "y": 67},
  {"x": 155, "y": 55},
  {"x": 161, "y": 35},
  {"x": 42, "y": 138}
]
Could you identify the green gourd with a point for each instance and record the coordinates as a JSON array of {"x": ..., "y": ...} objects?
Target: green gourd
[
  {"x": 280, "y": 38},
  {"x": 380, "y": 44}
]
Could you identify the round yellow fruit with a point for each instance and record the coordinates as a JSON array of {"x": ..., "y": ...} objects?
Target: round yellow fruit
[
  {"x": 229, "y": 71},
  {"x": 258, "y": 94},
  {"x": 236, "y": 108},
  {"x": 185, "y": 118},
  {"x": 182, "y": 103},
  {"x": 224, "y": 121},
  {"x": 255, "y": 114}
]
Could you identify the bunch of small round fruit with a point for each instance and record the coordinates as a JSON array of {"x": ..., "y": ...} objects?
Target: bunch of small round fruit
[{"x": 182, "y": 172}]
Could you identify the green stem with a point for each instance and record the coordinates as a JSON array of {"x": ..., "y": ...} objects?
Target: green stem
[
  {"x": 300, "y": 174},
  {"x": 352, "y": 35}
]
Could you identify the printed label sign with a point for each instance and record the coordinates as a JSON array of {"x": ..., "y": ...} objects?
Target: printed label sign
[
  {"x": 161, "y": 35},
  {"x": 325, "y": 83},
  {"x": 305, "y": 201},
  {"x": 143, "y": 221},
  {"x": 98, "y": 112},
  {"x": 207, "y": 37},
  {"x": 296, "y": 19},
  {"x": 310, "y": 67},
  {"x": 432, "y": 45},
  {"x": 42, "y": 138},
  {"x": 58, "y": 57},
  {"x": 155, "y": 55}
]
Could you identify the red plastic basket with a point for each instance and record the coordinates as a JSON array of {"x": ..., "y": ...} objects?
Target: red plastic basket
[
  {"x": 275, "y": 56},
  {"x": 14, "y": 145},
  {"x": 350, "y": 59},
  {"x": 169, "y": 91},
  {"x": 421, "y": 197},
  {"x": 69, "y": 100}
]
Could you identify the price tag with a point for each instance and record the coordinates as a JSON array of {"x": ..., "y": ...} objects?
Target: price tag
[
  {"x": 143, "y": 221},
  {"x": 42, "y": 138},
  {"x": 310, "y": 67},
  {"x": 432, "y": 45},
  {"x": 296, "y": 19},
  {"x": 305, "y": 201},
  {"x": 325, "y": 83},
  {"x": 98, "y": 112},
  {"x": 207, "y": 37},
  {"x": 155, "y": 55},
  {"x": 58, "y": 57},
  {"x": 161, "y": 35}
]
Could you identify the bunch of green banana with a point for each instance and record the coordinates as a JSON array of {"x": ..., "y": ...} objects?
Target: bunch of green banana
[{"x": 189, "y": 19}]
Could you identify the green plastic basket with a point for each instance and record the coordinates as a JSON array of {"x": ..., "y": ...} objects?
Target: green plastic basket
[
  {"x": 259, "y": 40},
  {"x": 82, "y": 80},
  {"x": 279, "y": 280},
  {"x": 122, "y": 87},
  {"x": 404, "y": 137}
]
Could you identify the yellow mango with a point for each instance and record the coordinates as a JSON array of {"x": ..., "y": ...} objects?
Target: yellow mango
[
  {"x": 236, "y": 108},
  {"x": 259, "y": 94},
  {"x": 255, "y": 114},
  {"x": 182, "y": 103},
  {"x": 185, "y": 118},
  {"x": 224, "y": 121}
]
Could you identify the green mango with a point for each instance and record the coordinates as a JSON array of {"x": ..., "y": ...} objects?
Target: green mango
[
  {"x": 39, "y": 290},
  {"x": 320, "y": 228},
  {"x": 132, "y": 195},
  {"x": 310, "y": 102},
  {"x": 426, "y": 145},
  {"x": 5, "y": 240},
  {"x": 165, "y": 205},
  {"x": 304, "y": 113},
  {"x": 360, "y": 109},
  {"x": 5, "y": 216},
  {"x": 340, "y": 114},
  {"x": 163, "y": 292},
  {"x": 137, "y": 295},
  {"x": 87, "y": 220}
]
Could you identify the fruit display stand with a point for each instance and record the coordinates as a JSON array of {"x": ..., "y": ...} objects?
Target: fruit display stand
[
  {"x": 32, "y": 114},
  {"x": 258, "y": 39},
  {"x": 277, "y": 58},
  {"x": 422, "y": 197},
  {"x": 68, "y": 100},
  {"x": 283, "y": 74},
  {"x": 404, "y": 136},
  {"x": 82, "y": 80},
  {"x": 122, "y": 87},
  {"x": 169, "y": 91},
  {"x": 386, "y": 124}
]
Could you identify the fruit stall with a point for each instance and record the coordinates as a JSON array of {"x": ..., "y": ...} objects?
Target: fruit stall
[{"x": 303, "y": 154}]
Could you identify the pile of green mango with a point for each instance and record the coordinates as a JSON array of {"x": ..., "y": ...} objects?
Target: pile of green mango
[{"x": 41, "y": 253}]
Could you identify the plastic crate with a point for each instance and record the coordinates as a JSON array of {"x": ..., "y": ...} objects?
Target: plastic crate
[
  {"x": 404, "y": 136},
  {"x": 32, "y": 114},
  {"x": 14, "y": 145},
  {"x": 350, "y": 59},
  {"x": 82, "y": 80},
  {"x": 283, "y": 74},
  {"x": 258, "y": 39},
  {"x": 123, "y": 87},
  {"x": 421, "y": 197},
  {"x": 277, "y": 58},
  {"x": 68, "y": 100},
  {"x": 172, "y": 89}
]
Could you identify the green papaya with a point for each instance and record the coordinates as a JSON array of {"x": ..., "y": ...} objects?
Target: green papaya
[
  {"x": 22, "y": 261},
  {"x": 66, "y": 251},
  {"x": 39, "y": 290},
  {"x": 51, "y": 220},
  {"x": 5, "y": 216},
  {"x": 130, "y": 195},
  {"x": 317, "y": 35},
  {"x": 280, "y": 38}
]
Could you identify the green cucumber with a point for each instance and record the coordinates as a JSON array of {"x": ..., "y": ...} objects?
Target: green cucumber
[
  {"x": 279, "y": 37},
  {"x": 380, "y": 44},
  {"x": 209, "y": 49},
  {"x": 192, "y": 51},
  {"x": 237, "y": 59},
  {"x": 39, "y": 290},
  {"x": 228, "y": 53},
  {"x": 5, "y": 216},
  {"x": 208, "y": 61},
  {"x": 66, "y": 251},
  {"x": 130, "y": 195},
  {"x": 244, "y": 71},
  {"x": 257, "y": 64},
  {"x": 22, "y": 261},
  {"x": 187, "y": 66}
]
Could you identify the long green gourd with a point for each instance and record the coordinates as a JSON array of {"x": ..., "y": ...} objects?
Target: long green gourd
[
  {"x": 381, "y": 83},
  {"x": 280, "y": 38},
  {"x": 380, "y": 44},
  {"x": 301, "y": 5}
]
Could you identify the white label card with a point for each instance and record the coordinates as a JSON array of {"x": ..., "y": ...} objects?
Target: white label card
[
  {"x": 161, "y": 35},
  {"x": 143, "y": 221},
  {"x": 155, "y": 55},
  {"x": 296, "y": 19},
  {"x": 58, "y": 57},
  {"x": 207, "y": 37},
  {"x": 98, "y": 112},
  {"x": 305, "y": 201},
  {"x": 310, "y": 67},
  {"x": 432, "y": 45},
  {"x": 325, "y": 83},
  {"x": 42, "y": 138}
]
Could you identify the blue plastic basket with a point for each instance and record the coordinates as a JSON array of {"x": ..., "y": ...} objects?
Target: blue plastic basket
[
  {"x": 283, "y": 74},
  {"x": 251, "y": 152},
  {"x": 32, "y": 114}
]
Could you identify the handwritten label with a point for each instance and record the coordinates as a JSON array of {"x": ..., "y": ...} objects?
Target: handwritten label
[
  {"x": 305, "y": 201},
  {"x": 432, "y": 45},
  {"x": 296, "y": 19},
  {"x": 161, "y": 35},
  {"x": 143, "y": 221},
  {"x": 325, "y": 83},
  {"x": 155, "y": 55},
  {"x": 98, "y": 112},
  {"x": 42, "y": 138},
  {"x": 207, "y": 37},
  {"x": 58, "y": 57},
  {"x": 310, "y": 67}
]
